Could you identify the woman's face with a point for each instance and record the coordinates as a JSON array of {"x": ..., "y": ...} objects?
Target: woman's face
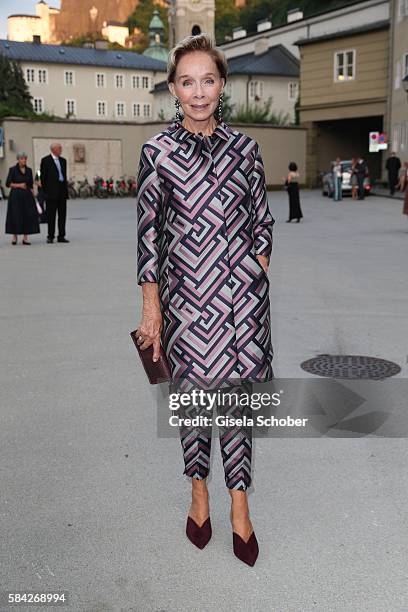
[
  {"x": 22, "y": 161},
  {"x": 198, "y": 85}
]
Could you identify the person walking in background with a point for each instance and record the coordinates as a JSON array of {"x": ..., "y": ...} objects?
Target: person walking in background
[
  {"x": 292, "y": 187},
  {"x": 393, "y": 165},
  {"x": 403, "y": 185},
  {"x": 337, "y": 180},
  {"x": 353, "y": 179},
  {"x": 53, "y": 173},
  {"x": 22, "y": 214},
  {"x": 361, "y": 172}
]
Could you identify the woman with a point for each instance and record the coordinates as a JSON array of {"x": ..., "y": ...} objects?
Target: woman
[
  {"x": 403, "y": 182},
  {"x": 204, "y": 243},
  {"x": 292, "y": 187},
  {"x": 353, "y": 179},
  {"x": 337, "y": 172},
  {"x": 22, "y": 215}
]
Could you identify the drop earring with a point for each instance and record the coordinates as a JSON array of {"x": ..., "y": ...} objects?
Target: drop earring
[
  {"x": 220, "y": 107},
  {"x": 178, "y": 117}
]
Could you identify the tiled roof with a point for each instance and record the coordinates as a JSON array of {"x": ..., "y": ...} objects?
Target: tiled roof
[
  {"x": 276, "y": 61},
  {"x": 62, "y": 54}
]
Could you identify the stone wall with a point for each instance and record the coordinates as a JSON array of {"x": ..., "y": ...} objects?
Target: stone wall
[{"x": 114, "y": 148}]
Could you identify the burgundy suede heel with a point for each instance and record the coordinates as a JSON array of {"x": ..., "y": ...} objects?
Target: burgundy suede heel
[
  {"x": 200, "y": 536},
  {"x": 246, "y": 551}
]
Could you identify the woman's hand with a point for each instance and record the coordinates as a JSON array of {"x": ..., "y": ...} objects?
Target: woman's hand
[
  {"x": 151, "y": 325},
  {"x": 263, "y": 260}
]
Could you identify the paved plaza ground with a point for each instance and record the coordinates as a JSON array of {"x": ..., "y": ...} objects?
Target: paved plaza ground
[{"x": 94, "y": 503}]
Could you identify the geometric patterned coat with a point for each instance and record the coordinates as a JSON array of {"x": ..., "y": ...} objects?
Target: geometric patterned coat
[{"x": 202, "y": 217}]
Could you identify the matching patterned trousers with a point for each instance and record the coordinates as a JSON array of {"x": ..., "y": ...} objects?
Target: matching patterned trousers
[{"x": 233, "y": 409}]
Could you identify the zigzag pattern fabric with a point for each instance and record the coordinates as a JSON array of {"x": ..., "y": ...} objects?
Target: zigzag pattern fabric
[
  {"x": 235, "y": 440},
  {"x": 202, "y": 219}
]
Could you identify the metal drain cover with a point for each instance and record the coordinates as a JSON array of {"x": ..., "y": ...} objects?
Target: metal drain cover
[{"x": 350, "y": 366}]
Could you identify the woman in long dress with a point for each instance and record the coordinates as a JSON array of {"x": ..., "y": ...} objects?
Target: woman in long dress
[
  {"x": 204, "y": 245},
  {"x": 292, "y": 187},
  {"x": 22, "y": 215},
  {"x": 353, "y": 179},
  {"x": 404, "y": 187}
]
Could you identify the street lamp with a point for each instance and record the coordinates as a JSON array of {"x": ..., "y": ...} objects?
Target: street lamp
[{"x": 405, "y": 83}]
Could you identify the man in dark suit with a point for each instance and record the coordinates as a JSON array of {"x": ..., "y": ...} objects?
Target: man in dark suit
[
  {"x": 393, "y": 166},
  {"x": 53, "y": 175},
  {"x": 361, "y": 171}
]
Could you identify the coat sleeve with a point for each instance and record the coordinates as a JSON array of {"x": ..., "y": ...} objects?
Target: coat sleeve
[
  {"x": 43, "y": 173},
  {"x": 10, "y": 177},
  {"x": 30, "y": 180},
  {"x": 148, "y": 203},
  {"x": 262, "y": 219}
]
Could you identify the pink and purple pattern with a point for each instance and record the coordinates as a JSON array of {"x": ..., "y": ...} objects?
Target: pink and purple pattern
[{"x": 202, "y": 219}]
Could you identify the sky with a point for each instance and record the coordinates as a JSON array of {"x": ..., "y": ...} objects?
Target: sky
[{"x": 11, "y": 7}]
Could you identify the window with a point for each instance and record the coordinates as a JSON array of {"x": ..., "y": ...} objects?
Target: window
[
  {"x": 344, "y": 65},
  {"x": 101, "y": 108},
  {"x": 100, "y": 79},
  {"x": 403, "y": 9},
  {"x": 145, "y": 82},
  {"x": 256, "y": 90},
  {"x": 69, "y": 77},
  {"x": 70, "y": 107},
  {"x": 120, "y": 109},
  {"x": 135, "y": 81},
  {"x": 146, "y": 110},
  {"x": 119, "y": 81},
  {"x": 38, "y": 105},
  {"x": 397, "y": 80},
  {"x": 42, "y": 76},
  {"x": 30, "y": 75},
  {"x": 396, "y": 137},
  {"x": 136, "y": 109},
  {"x": 293, "y": 92},
  {"x": 403, "y": 134}
]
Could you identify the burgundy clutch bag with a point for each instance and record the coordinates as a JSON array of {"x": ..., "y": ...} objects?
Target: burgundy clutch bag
[{"x": 157, "y": 371}]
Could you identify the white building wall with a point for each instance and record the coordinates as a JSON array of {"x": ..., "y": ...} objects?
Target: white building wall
[
  {"x": 236, "y": 88},
  {"x": 55, "y": 92}
]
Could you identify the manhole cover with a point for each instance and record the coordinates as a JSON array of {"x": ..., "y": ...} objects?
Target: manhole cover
[{"x": 350, "y": 366}]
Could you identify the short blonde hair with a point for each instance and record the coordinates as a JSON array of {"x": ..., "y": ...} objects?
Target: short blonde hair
[{"x": 200, "y": 42}]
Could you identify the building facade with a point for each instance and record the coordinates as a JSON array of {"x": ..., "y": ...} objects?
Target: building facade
[
  {"x": 299, "y": 27},
  {"x": 94, "y": 84},
  {"x": 398, "y": 100},
  {"x": 190, "y": 17},
  {"x": 344, "y": 95}
]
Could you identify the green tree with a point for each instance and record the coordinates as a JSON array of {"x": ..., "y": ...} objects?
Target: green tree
[
  {"x": 226, "y": 18},
  {"x": 15, "y": 98},
  {"x": 141, "y": 18}
]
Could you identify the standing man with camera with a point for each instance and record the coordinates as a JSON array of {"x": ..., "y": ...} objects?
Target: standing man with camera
[{"x": 53, "y": 175}]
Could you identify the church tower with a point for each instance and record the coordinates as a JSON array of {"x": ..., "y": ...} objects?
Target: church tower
[{"x": 190, "y": 17}]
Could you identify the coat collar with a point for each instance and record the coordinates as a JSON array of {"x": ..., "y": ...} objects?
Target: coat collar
[{"x": 181, "y": 133}]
